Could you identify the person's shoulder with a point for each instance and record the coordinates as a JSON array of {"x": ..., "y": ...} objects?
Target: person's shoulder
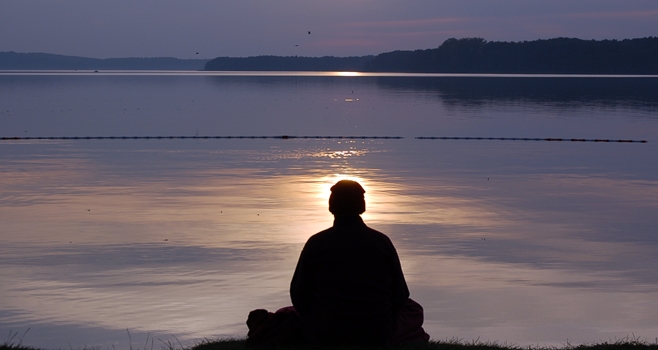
[
  {"x": 319, "y": 236},
  {"x": 378, "y": 235},
  {"x": 374, "y": 231}
]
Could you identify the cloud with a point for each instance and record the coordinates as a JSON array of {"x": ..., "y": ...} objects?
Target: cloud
[
  {"x": 644, "y": 15},
  {"x": 408, "y": 23}
]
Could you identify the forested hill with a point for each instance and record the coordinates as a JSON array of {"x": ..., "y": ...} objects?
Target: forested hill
[
  {"x": 45, "y": 61},
  {"x": 289, "y": 63},
  {"x": 469, "y": 55},
  {"x": 560, "y": 55},
  {"x": 476, "y": 55}
]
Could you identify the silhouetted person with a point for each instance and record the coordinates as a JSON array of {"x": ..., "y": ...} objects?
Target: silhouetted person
[{"x": 348, "y": 286}]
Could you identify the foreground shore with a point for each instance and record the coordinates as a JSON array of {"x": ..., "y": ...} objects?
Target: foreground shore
[{"x": 240, "y": 344}]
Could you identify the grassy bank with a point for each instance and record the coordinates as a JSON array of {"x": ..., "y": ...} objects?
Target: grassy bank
[{"x": 239, "y": 344}]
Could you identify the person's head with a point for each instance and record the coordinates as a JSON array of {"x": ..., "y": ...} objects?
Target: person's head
[{"x": 347, "y": 198}]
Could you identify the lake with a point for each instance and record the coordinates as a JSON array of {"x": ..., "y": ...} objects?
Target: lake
[{"x": 105, "y": 242}]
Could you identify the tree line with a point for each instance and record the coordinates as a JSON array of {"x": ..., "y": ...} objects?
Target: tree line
[
  {"x": 476, "y": 55},
  {"x": 288, "y": 63},
  {"x": 468, "y": 55},
  {"x": 44, "y": 61},
  {"x": 556, "y": 56}
]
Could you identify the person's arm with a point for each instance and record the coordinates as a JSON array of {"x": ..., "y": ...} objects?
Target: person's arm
[
  {"x": 400, "y": 291},
  {"x": 300, "y": 286}
]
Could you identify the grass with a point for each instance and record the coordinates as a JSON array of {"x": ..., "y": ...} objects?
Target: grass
[{"x": 15, "y": 342}]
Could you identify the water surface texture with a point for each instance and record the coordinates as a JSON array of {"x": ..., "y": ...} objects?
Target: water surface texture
[{"x": 525, "y": 242}]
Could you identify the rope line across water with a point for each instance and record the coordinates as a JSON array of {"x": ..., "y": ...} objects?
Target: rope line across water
[{"x": 527, "y": 139}]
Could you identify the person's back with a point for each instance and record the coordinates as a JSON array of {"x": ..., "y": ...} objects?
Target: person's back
[{"x": 348, "y": 285}]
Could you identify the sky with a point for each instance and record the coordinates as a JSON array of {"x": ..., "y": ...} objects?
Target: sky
[{"x": 238, "y": 28}]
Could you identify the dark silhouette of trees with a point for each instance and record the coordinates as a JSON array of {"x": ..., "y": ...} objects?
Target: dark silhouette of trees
[
  {"x": 39, "y": 61},
  {"x": 290, "y": 63},
  {"x": 476, "y": 55},
  {"x": 468, "y": 55},
  {"x": 559, "y": 55}
]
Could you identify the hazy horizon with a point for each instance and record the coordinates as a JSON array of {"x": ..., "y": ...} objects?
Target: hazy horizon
[
  {"x": 210, "y": 58},
  {"x": 202, "y": 29}
]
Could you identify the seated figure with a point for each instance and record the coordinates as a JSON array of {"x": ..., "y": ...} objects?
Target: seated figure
[{"x": 348, "y": 286}]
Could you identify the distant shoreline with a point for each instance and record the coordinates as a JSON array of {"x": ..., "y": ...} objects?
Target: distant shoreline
[
  {"x": 245, "y": 73},
  {"x": 562, "y": 56},
  {"x": 45, "y": 61},
  {"x": 477, "y": 56}
]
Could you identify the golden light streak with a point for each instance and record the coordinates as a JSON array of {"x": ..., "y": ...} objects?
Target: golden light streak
[{"x": 348, "y": 74}]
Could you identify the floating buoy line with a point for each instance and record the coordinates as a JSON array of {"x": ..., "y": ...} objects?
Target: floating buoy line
[
  {"x": 288, "y": 137},
  {"x": 526, "y": 139}
]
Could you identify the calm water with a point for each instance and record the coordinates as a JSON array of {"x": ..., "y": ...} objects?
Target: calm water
[{"x": 509, "y": 241}]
